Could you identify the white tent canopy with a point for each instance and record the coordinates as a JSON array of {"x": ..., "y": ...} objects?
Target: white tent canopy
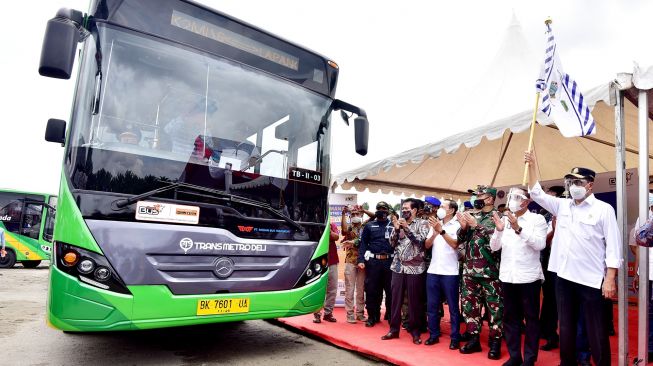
[{"x": 493, "y": 153}]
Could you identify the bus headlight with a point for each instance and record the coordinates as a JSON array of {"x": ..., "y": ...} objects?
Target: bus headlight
[
  {"x": 86, "y": 266},
  {"x": 313, "y": 271},
  {"x": 102, "y": 274},
  {"x": 89, "y": 267}
]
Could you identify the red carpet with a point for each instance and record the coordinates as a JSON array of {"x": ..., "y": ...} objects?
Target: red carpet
[{"x": 402, "y": 351}]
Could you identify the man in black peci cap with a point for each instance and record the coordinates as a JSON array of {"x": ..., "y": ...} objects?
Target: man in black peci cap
[
  {"x": 375, "y": 256},
  {"x": 585, "y": 254}
]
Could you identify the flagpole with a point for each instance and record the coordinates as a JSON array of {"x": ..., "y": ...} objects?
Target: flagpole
[{"x": 530, "y": 138}]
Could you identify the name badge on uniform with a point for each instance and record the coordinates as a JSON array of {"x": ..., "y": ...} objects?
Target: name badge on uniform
[{"x": 387, "y": 233}]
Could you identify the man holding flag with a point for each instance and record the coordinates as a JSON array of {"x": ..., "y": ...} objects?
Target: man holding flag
[{"x": 586, "y": 250}]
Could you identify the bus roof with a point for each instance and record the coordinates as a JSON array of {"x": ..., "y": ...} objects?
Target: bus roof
[{"x": 200, "y": 27}]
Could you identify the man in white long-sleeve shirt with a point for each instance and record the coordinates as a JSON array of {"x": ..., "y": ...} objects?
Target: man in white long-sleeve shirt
[
  {"x": 585, "y": 253},
  {"x": 520, "y": 235}
]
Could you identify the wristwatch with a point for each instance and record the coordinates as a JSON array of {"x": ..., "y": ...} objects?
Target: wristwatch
[
  {"x": 442, "y": 232},
  {"x": 518, "y": 231}
]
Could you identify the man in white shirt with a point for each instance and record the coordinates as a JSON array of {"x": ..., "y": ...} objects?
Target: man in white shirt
[
  {"x": 520, "y": 235},
  {"x": 443, "y": 276},
  {"x": 586, "y": 253}
]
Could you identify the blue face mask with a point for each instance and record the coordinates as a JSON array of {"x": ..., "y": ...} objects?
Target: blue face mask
[{"x": 406, "y": 214}]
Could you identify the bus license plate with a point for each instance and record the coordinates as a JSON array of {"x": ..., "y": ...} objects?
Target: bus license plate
[{"x": 222, "y": 306}]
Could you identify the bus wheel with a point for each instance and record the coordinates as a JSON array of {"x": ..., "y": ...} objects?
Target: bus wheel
[
  {"x": 9, "y": 260},
  {"x": 30, "y": 264}
]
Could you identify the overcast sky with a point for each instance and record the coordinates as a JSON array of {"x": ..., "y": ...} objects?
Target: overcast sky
[{"x": 409, "y": 64}]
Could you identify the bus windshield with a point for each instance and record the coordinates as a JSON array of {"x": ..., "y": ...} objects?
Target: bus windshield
[{"x": 151, "y": 111}]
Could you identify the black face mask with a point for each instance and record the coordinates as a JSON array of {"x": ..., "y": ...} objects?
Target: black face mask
[
  {"x": 479, "y": 204},
  {"x": 406, "y": 214},
  {"x": 381, "y": 215}
]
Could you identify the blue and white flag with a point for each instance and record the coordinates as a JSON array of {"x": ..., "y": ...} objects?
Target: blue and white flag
[{"x": 560, "y": 96}]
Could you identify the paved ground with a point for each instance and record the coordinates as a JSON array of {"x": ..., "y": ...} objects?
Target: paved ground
[{"x": 25, "y": 339}]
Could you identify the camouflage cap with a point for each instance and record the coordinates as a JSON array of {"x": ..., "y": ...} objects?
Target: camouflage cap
[{"x": 481, "y": 189}]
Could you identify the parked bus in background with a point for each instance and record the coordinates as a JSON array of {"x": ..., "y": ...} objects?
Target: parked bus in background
[
  {"x": 28, "y": 222},
  {"x": 196, "y": 168}
]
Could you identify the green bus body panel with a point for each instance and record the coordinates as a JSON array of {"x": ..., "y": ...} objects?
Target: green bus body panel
[
  {"x": 26, "y": 248},
  {"x": 75, "y": 306}
]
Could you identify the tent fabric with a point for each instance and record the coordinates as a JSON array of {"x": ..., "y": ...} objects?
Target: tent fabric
[{"x": 493, "y": 154}]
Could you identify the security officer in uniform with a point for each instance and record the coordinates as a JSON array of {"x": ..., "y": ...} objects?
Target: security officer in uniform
[
  {"x": 375, "y": 256},
  {"x": 480, "y": 279}
]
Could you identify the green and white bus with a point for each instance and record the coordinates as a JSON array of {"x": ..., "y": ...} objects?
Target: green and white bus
[
  {"x": 195, "y": 171},
  {"x": 27, "y": 219}
]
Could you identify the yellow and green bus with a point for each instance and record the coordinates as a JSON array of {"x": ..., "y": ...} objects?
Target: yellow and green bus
[
  {"x": 196, "y": 168},
  {"x": 27, "y": 219}
]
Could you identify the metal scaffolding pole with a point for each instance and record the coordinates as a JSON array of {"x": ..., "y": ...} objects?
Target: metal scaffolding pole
[
  {"x": 620, "y": 175},
  {"x": 642, "y": 334}
]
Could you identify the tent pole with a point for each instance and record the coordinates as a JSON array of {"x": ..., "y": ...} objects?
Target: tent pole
[
  {"x": 643, "y": 300},
  {"x": 620, "y": 175},
  {"x": 530, "y": 139}
]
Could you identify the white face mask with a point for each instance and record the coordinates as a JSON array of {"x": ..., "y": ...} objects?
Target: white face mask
[
  {"x": 577, "y": 192},
  {"x": 514, "y": 205},
  {"x": 356, "y": 220},
  {"x": 441, "y": 213}
]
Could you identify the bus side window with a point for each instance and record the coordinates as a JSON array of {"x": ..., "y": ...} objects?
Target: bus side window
[
  {"x": 48, "y": 231},
  {"x": 11, "y": 209},
  {"x": 32, "y": 220}
]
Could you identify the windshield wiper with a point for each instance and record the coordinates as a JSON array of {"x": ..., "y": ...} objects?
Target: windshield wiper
[{"x": 230, "y": 197}]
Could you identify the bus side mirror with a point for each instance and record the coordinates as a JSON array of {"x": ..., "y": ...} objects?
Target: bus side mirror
[
  {"x": 56, "y": 131},
  {"x": 59, "y": 44},
  {"x": 361, "y": 134}
]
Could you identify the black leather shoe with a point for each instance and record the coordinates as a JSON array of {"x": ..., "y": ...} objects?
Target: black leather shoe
[
  {"x": 454, "y": 344},
  {"x": 417, "y": 339},
  {"x": 474, "y": 345},
  {"x": 431, "y": 341},
  {"x": 390, "y": 335},
  {"x": 370, "y": 322},
  {"x": 495, "y": 349},
  {"x": 550, "y": 345}
]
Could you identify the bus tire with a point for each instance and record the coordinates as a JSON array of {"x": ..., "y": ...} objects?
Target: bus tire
[
  {"x": 9, "y": 260},
  {"x": 31, "y": 264}
]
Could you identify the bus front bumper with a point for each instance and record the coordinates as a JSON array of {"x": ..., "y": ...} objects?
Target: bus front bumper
[{"x": 75, "y": 306}]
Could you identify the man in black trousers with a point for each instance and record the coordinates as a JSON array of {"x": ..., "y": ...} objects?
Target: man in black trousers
[
  {"x": 408, "y": 269},
  {"x": 375, "y": 256},
  {"x": 586, "y": 254}
]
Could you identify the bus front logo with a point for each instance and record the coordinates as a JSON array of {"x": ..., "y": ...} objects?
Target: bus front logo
[
  {"x": 224, "y": 267},
  {"x": 186, "y": 244}
]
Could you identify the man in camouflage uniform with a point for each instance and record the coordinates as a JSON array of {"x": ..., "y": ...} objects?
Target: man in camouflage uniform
[{"x": 481, "y": 284}]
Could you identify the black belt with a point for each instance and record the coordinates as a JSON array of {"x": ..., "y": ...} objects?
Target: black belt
[{"x": 382, "y": 256}]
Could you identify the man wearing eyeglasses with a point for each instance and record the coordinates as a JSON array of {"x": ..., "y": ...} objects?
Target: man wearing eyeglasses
[{"x": 585, "y": 254}]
